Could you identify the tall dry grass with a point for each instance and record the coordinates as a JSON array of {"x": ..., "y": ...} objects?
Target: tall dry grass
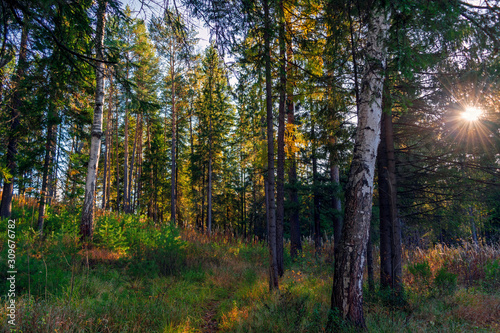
[{"x": 468, "y": 261}]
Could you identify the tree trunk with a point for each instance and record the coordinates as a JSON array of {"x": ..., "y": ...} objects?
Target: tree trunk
[
  {"x": 243, "y": 208},
  {"x": 157, "y": 215},
  {"x": 107, "y": 145},
  {"x": 52, "y": 185},
  {"x": 209, "y": 190},
  {"x": 117, "y": 147},
  {"x": 87, "y": 220},
  {"x": 396, "y": 248},
  {"x": 337, "y": 205},
  {"x": 473, "y": 226},
  {"x": 151, "y": 185},
  {"x": 347, "y": 295},
  {"x": 280, "y": 179},
  {"x": 384, "y": 212},
  {"x": 243, "y": 224},
  {"x": 369, "y": 263},
  {"x": 203, "y": 198},
  {"x": 191, "y": 159},
  {"x": 48, "y": 161},
  {"x": 2, "y": 79},
  {"x": 390, "y": 229},
  {"x": 75, "y": 149},
  {"x": 138, "y": 191},
  {"x": 15, "y": 115},
  {"x": 251, "y": 228},
  {"x": 271, "y": 218},
  {"x": 67, "y": 185},
  {"x": 316, "y": 195},
  {"x": 132, "y": 163},
  {"x": 125, "y": 158},
  {"x": 295, "y": 241},
  {"x": 173, "y": 193}
]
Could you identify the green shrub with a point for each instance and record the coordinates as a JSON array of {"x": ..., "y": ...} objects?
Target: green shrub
[
  {"x": 421, "y": 271},
  {"x": 61, "y": 221},
  {"x": 492, "y": 270},
  {"x": 491, "y": 275},
  {"x": 194, "y": 275},
  {"x": 445, "y": 281},
  {"x": 110, "y": 234},
  {"x": 336, "y": 323},
  {"x": 389, "y": 297},
  {"x": 157, "y": 250}
]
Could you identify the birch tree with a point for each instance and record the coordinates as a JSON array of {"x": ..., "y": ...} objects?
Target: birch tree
[
  {"x": 87, "y": 219},
  {"x": 347, "y": 295}
]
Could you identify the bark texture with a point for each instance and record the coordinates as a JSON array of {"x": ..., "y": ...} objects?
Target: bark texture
[
  {"x": 117, "y": 146},
  {"x": 396, "y": 248},
  {"x": 280, "y": 174},
  {"x": 126, "y": 170},
  {"x": 87, "y": 220},
  {"x": 390, "y": 229},
  {"x": 395, "y": 226},
  {"x": 131, "y": 206},
  {"x": 209, "y": 189},
  {"x": 173, "y": 187},
  {"x": 316, "y": 203},
  {"x": 48, "y": 162},
  {"x": 384, "y": 212},
  {"x": 337, "y": 206},
  {"x": 270, "y": 199},
  {"x": 369, "y": 256},
  {"x": 347, "y": 295},
  {"x": 107, "y": 156},
  {"x": 295, "y": 242}
]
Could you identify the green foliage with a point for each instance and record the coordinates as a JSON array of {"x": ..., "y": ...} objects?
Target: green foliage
[
  {"x": 110, "y": 234},
  {"x": 421, "y": 271},
  {"x": 492, "y": 270},
  {"x": 291, "y": 308},
  {"x": 250, "y": 276},
  {"x": 492, "y": 274},
  {"x": 63, "y": 225},
  {"x": 253, "y": 253},
  {"x": 148, "y": 288},
  {"x": 445, "y": 281},
  {"x": 166, "y": 252},
  {"x": 336, "y": 323},
  {"x": 194, "y": 275},
  {"x": 387, "y": 297},
  {"x": 154, "y": 250}
]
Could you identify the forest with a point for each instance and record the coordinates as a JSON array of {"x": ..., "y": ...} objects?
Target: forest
[{"x": 250, "y": 166}]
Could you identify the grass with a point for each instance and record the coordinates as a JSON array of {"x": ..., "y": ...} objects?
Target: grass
[{"x": 141, "y": 278}]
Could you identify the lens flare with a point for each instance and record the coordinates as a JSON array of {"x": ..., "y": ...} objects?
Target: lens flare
[{"x": 472, "y": 113}]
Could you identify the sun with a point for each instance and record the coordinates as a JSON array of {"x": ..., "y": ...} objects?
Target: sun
[{"x": 472, "y": 113}]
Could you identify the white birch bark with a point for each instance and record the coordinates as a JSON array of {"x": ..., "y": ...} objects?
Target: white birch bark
[
  {"x": 347, "y": 294},
  {"x": 87, "y": 220}
]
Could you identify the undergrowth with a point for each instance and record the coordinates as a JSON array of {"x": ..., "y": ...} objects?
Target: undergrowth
[{"x": 139, "y": 277}]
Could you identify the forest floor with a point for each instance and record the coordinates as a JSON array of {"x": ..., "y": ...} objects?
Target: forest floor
[{"x": 188, "y": 282}]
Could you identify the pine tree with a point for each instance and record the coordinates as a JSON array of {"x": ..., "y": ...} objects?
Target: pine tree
[
  {"x": 174, "y": 43},
  {"x": 215, "y": 118}
]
